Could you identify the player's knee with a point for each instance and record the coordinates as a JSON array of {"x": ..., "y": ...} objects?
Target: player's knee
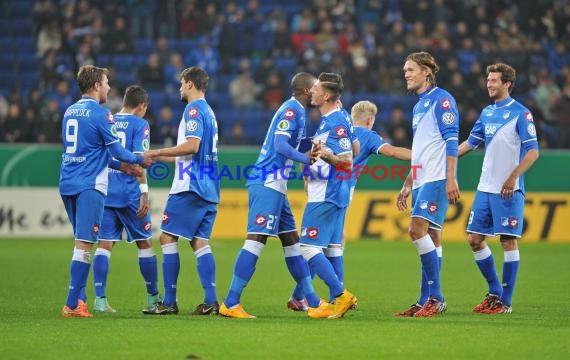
[
  {"x": 144, "y": 244},
  {"x": 475, "y": 241},
  {"x": 309, "y": 252},
  {"x": 509, "y": 243}
]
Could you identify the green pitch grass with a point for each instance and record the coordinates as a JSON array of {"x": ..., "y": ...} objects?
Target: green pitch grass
[{"x": 34, "y": 278}]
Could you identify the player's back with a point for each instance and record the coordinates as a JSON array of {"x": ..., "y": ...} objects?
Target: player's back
[
  {"x": 506, "y": 128},
  {"x": 328, "y": 184},
  {"x": 289, "y": 120},
  {"x": 86, "y": 130},
  {"x": 370, "y": 144},
  {"x": 435, "y": 120},
  {"x": 199, "y": 172},
  {"x": 134, "y": 134}
]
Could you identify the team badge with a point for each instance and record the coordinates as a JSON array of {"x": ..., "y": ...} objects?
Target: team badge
[
  {"x": 193, "y": 112},
  {"x": 447, "y": 118},
  {"x": 192, "y": 125},
  {"x": 432, "y": 208},
  {"x": 423, "y": 204},
  {"x": 147, "y": 226},
  {"x": 506, "y": 114},
  {"x": 164, "y": 218},
  {"x": 344, "y": 143},
  {"x": 289, "y": 114},
  {"x": 110, "y": 118},
  {"x": 146, "y": 144},
  {"x": 260, "y": 220},
  {"x": 114, "y": 130},
  {"x": 426, "y": 103},
  {"x": 95, "y": 229},
  {"x": 511, "y": 222},
  {"x": 531, "y": 129},
  {"x": 528, "y": 116},
  {"x": 312, "y": 233},
  {"x": 340, "y": 131},
  {"x": 445, "y": 104},
  {"x": 283, "y": 125}
]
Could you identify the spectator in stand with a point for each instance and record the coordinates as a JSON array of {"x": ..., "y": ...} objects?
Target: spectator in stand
[
  {"x": 49, "y": 38},
  {"x": 118, "y": 40},
  {"x": 151, "y": 75}
]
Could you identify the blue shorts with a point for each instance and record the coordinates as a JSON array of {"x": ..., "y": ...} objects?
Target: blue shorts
[
  {"x": 430, "y": 202},
  {"x": 269, "y": 212},
  {"x": 321, "y": 224},
  {"x": 188, "y": 215},
  {"x": 492, "y": 215},
  {"x": 117, "y": 219},
  {"x": 85, "y": 212}
]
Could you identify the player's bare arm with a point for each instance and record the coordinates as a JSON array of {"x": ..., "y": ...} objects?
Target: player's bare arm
[
  {"x": 451, "y": 185},
  {"x": 508, "y": 187},
  {"x": 144, "y": 203},
  {"x": 464, "y": 148},
  {"x": 190, "y": 147},
  {"x": 344, "y": 159},
  {"x": 396, "y": 152},
  {"x": 402, "y": 200}
]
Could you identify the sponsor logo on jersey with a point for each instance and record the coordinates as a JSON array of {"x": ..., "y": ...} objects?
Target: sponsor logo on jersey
[
  {"x": 344, "y": 143},
  {"x": 146, "y": 132},
  {"x": 312, "y": 233},
  {"x": 528, "y": 116},
  {"x": 110, "y": 118},
  {"x": 322, "y": 125},
  {"x": 416, "y": 119},
  {"x": 511, "y": 222},
  {"x": 531, "y": 129},
  {"x": 260, "y": 220},
  {"x": 193, "y": 112},
  {"x": 432, "y": 208},
  {"x": 164, "y": 218},
  {"x": 289, "y": 114},
  {"x": 448, "y": 118},
  {"x": 491, "y": 129},
  {"x": 340, "y": 131},
  {"x": 192, "y": 125},
  {"x": 147, "y": 226},
  {"x": 95, "y": 229},
  {"x": 445, "y": 104},
  {"x": 283, "y": 125}
]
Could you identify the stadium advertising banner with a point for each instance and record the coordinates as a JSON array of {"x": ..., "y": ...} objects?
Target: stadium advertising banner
[{"x": 372, "y": 215}]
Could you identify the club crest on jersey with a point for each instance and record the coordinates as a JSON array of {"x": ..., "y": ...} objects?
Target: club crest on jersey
[
  {"x": 114, "y": 130},
  {"x": 192, "y": 125},
  {"x": 531, "y": 129},
  {"x": 432, "y": 208},
  {"x": 423, "y": 204},
  {"x": 193, "y": 112},
  {"x": 95, "y": 229},
  {"x": 260, "y": 220},
  {"x": 344, "y": 143},
  {"x": 426, "y": 103},
  {"x": 445, "y": 104},
  {"x": 289, "y": 114},
  {"x": 147, "y": 226},
  {"x": 283, "y": 125},
  {"x": 340, "y": 131},
  {"x": 528, "y": 116},
  {"x": 146, "y": 132},
  {"x": 110, "y": 118},
  {"x": 146, "y": 144},
  {"x": 312, "y": 233},
  {"x": 448, "y": 118},
  {"x": 164, "y": 218},
  {"x": 506, "y": 114}
]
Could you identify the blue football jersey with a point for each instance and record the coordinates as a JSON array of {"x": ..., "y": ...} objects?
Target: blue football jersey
[
  {"x": 87, "y": 129},
  {"x": 370, "y": 144},
  {"x": 508, "y": 131},
  {"x": 327, "y": 183},
  {"x": 435, "y": 121},
  {"x": 198, "y": 173},
  {"x": 134, "y": 134},
  {"x": 271, "y": 168}
]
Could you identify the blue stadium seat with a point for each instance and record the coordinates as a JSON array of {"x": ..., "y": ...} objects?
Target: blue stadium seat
[
  {"x": 104, "y": 60},
  {"x": 22, "y": 27},
  {"x": 143, "y": 46},
  {"x": 19, "y": 9},
  {"x": 24, "y": 44},
  {"x": 124, "y": 63}
]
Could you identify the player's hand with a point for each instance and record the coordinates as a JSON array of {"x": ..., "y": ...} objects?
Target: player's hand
[
  {"x": 508, "y": 188},
  {"x": 316, "y": 151},
  {"x": 452, "y": 190},
  {"x": 402, "y": 201},
  {"x": 147, "y": 161},
  {"x": 130, "y": 169},
  {"x": 144, "y": 205}
]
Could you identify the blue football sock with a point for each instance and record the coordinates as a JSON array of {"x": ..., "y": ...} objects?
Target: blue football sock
[
  {"x": 299, "y": 270},
  {"x": 83, "y": 294},
  {"x": 148, "y": 266},
  {"x": 486, "y": 263},
  {"x": 335, "y": 257},
  {"x": 430, "y": 265},
  {"x": 298, "y": 293},
  {"x": 79, "y": 271},
  {"x": 101, "y": 271},
  {"x": 170, "y": 271},
  {"x": 424, "y": 288},
  {"x": 323, "y": 268},
  {"x": 510, "y": 270},
  {"x": 207, "y": 272},
  {"x": 243, "y": 271}
]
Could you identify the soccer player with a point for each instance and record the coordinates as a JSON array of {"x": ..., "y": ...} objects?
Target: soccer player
[
  {"x": 434, "y": 186},
  {"x": 363, "y": 115},
  {"x": 127, "y": 206},
  {"x": 89, "y": 140},
  {"x": 507, "y": 129},
  {"x": 269, "y": 210},
  {"x": 328, "y": 194},
  {"x": 192, "y": 205}
]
